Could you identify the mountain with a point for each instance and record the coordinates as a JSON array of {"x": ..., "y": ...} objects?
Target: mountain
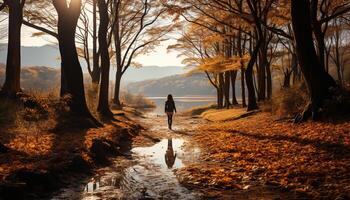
[
  {"x": 49, "y": 56},
  {"x": 150, "y": 72},
  {"x": 178, "y": 85},
  {"x": 36, "y": 78}
]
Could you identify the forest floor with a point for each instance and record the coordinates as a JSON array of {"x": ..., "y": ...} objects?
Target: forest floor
[
  {"x": 241, "y": 156},
  {"x": 42, "y": 156},
  {"x": 311, "y": 160}
]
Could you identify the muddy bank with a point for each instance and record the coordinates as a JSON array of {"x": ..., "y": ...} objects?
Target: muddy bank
[{"x": 73, "y": 156}]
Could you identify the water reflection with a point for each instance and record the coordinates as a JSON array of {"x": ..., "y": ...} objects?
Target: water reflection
[
  {"x": 170, "y": 156},
  {"x": 151, "y": 178},
  {"x": 155, "y": 153},
  {"x": 93, "y": 185},
  {"x": 97, "y": 182}
]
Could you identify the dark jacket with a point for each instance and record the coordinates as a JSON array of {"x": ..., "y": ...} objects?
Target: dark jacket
[{"x": 170, "y": 106}]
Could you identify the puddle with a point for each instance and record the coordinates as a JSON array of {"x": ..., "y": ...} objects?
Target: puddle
[
  {"x": 167, "y": 153},
  {"x": 151, "y": 177}
]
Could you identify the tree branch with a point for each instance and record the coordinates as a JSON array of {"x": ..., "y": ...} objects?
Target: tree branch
[
  {"x": 336, "y": 14},
  {"x": 40, "y": 29}
]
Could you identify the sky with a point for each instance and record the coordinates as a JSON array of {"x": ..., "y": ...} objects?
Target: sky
[{"x": 160, "y": 56}]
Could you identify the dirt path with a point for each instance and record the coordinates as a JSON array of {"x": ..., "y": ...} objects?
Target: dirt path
[{"x": 148, "y": 171}]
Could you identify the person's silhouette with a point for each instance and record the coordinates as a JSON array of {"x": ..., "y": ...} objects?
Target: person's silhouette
[
  {"x": 170, "y": 156},
  {"x": 170, "y": 109}
]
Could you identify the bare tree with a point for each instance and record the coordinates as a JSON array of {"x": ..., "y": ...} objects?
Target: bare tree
[{"x": 136, "y": 31}]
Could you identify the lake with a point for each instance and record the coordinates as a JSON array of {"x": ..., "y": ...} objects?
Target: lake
[{"x": 182, "y": 103}]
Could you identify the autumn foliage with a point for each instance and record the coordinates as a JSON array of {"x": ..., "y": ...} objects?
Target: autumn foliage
[{"x": 311, "y": 159}]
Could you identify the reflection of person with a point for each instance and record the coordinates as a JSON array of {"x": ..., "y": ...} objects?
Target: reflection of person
[
  {"x": 169, "y": 109},
  {"x": 170, "y": 156}
]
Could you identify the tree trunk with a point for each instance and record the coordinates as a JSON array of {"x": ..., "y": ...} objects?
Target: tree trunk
[
  {"x": 295, "y": 69},
  {"x": 244, "y": 104},
  {"x": 262, "y": 74},
  {"x": 240, "y": 48},
  {"x": 221, "y": 91},
  {"x": 227, "y": 82},
  {"x": 268, "y": 81},
  {"x": 116, "y": 99},
  {"x": 252, "y": 105},
  {"x": 233, "y": 82},
  {"x": 72, "y": 76},
  {"x": 320, "y": 45},
  {"x": 219, "y": 98},
  {"x": 318, "y": 81},
  {"x": 96, "y": 72},
  {"x": 13, "y": 64},
  {"x": 118, "y": 52},
  {"x": 103, "y": 102}
]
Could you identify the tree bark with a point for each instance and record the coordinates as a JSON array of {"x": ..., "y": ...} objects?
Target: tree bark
[
  {"x": 233, "y": 82},
  {"x": 118, "y": 77},
  {"x": 252, "y": 105},
  {"x": 103, "y": 102},
  {"x": 261, "y": 74},
  {"x": 96, "y": 72},
  {"x": 72, "y": 76},
  {"x": 227, "y": 82},
  {"x": 244, "y": 104},
  {"x": 118, "y": 52},
  {"x": 295, "y": 69},
  {"x": 268, "y": 81},
  {"x": 221, "y": 91},
  {"x": 13, "y": 64},
  {"x": 240, "y": 48},
  {"x": 318, "y": 81}
]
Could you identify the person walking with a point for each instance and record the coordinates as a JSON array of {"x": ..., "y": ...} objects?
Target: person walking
[{"x": 169, "y": 110}]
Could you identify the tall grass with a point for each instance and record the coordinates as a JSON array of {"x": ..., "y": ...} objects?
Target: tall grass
[{"x": 136, "y": 101}]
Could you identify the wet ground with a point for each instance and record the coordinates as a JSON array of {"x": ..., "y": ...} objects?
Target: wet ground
[{"x": 148, "y": 171}]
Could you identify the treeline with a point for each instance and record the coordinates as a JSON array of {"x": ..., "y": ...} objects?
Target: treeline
[
  {"x": 250, "y": 39},
  {"x": 119, "y": 30},
  {"x": 298, "y": 39}
]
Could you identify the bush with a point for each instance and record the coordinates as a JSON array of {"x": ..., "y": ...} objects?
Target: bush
[
  {"x": 136, "y": 101},
  {"x": 289, "y": 102},
  {"x": 195, "y": 111}
]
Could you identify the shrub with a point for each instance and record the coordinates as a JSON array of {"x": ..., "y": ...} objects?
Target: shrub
[
  {"x": 195, "y": 111},
  {"x": 288, "y": 102},
  {"x": 136, "y": 101}
]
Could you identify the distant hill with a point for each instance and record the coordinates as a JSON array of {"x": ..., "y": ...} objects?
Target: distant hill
[
  {"x": 36, "y": 78},
  {"x": 178, "y": 85},
  {"x": 150, "y": 72},
  {"x": 49, "y": 56},
  {"x": 46, "y": 79}
]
